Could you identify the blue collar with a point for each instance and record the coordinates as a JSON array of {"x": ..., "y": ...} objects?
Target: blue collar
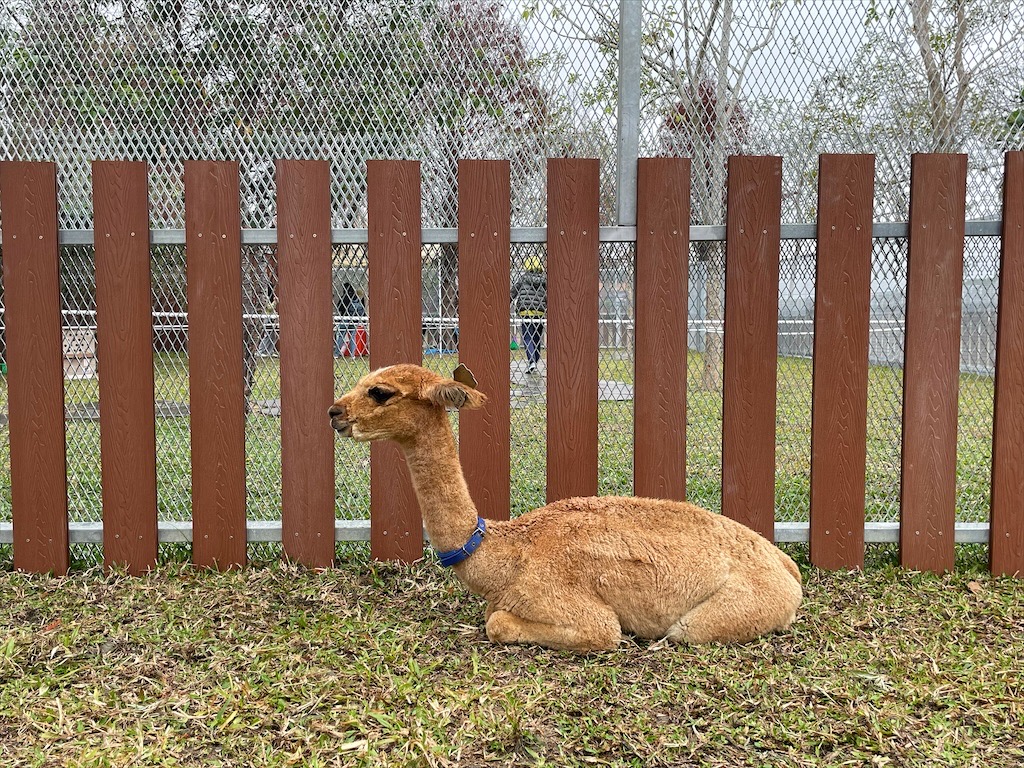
[{"x": 456, "y": 556}]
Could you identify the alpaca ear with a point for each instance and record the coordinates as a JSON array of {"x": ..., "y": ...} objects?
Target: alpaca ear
[
  {"x": 463, "y": 375},
  {"x": 455, "y": 393}
]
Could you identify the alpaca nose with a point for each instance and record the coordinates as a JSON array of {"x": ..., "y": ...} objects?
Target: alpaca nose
[{"x": 337, "y": 410}]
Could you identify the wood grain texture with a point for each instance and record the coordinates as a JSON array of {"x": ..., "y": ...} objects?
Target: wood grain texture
[
  {"x": 216, "y": 381},
  {"x": 35, "y": 379},
  {"x": 662, "y": 266},
  {"x": 842, "y": 309},
  {"x": 931, "y": 370},
  {"x": 305, "y": 306},
  {"x": 573, "y": 267},
  {"x": 1006, "y": 551},
  {"x": 395, "y": 235},
  {"x": 484, "y": 296},
  {"x": 124, "y": 338},
  {"x": 750, "y": 346}
]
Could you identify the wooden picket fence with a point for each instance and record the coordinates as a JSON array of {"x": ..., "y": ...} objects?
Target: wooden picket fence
[{"x": 304, "y": 237}]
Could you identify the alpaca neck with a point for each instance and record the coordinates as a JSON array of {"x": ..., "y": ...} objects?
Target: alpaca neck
[{"x": 449, "y": 514}]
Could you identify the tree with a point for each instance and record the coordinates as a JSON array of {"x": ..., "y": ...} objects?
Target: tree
[
  {"x": 165, "y": 81},
  {"x": 1013, "y": 132},
  {"x": 342, "y": 79},
  {"x": 695, "y": 57},
  {"x": 930, "y": 77}
]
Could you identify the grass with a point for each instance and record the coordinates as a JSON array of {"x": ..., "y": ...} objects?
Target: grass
[
  {"x": 375, "y": 664},
  {"x": 793, "y": 429}
]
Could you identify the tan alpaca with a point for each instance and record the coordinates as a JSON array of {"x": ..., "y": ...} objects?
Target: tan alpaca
[{"x": 577, "y": 573}]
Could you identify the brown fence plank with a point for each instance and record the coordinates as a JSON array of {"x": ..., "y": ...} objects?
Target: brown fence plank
[
  {"x": 1006, "y": 552},
  {"x": 35, "y": 378},
  {"x": 751, "y": 341},
  {"x": 395, "y": 233},
  {"x": 305, "y": 305},
  {"x": 484, "y": 217},
  {"x": 124, "y": 338},
  {"x": 842, "y": 308},
  {"x": 573, "y": 254},
  {"x": 216, "y": 382},
  {"x": 931, "y": 370},
  {"x": 662, "y": 265}
]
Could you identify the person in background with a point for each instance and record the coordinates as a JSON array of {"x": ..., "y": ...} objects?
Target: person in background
[
  {"x": 351, "y": 309},
  {"x": 530, "y": 299}
]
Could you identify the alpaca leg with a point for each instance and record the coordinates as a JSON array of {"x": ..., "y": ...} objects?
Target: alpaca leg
[
  {"x": 596, "y": 630},
  {"x": 737, "y": 613}
]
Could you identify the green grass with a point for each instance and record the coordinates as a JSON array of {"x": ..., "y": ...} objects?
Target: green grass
[
  {"x": 793, "y": 430},
  {"x": 375, "y": 664}
]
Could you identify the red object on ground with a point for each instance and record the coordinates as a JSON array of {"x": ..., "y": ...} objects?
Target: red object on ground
[{"x": 360, "y": 342}]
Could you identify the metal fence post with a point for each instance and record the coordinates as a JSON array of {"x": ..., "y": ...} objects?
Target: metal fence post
[{"x": 627, "y": 145}]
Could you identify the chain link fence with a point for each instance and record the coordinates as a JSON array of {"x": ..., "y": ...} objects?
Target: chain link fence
[{"x": 350, "y": 80}]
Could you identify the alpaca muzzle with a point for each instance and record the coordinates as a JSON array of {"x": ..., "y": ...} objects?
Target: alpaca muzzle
[{"x": 339, "y": 420}]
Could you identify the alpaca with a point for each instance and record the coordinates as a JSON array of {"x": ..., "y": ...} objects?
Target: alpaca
[{"x": 579, "y": 572}]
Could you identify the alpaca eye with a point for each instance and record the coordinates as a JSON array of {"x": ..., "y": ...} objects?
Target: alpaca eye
[{"x": 380, "y": 396}]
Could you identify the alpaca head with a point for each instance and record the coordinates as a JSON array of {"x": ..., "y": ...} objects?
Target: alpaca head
[{"x": 400, "y": 401}]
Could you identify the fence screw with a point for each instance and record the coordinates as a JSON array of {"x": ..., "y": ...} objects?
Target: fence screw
[{"x": 200, "y": 234}]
